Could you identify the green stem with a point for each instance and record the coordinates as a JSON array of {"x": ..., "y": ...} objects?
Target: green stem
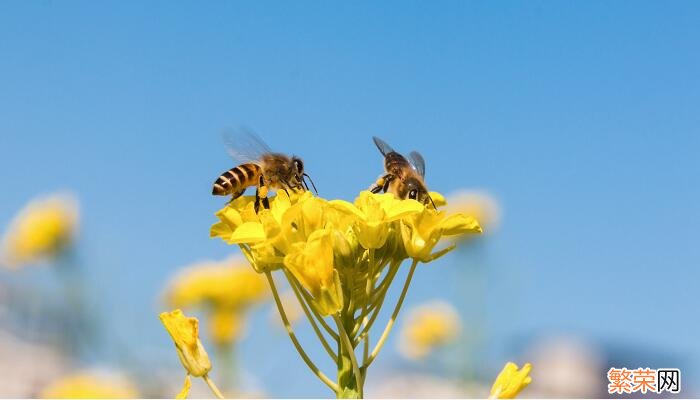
[
  {"x": 314, "y": 310},
  {"x": 212, "y": 386},
  {"x": 394, "y": 315},
  {"x": 349, "y": 376},
  {"x": 311, "y": 318},
  {"x": 332, "y": 385},
  {"x": 379, "y": 302}
]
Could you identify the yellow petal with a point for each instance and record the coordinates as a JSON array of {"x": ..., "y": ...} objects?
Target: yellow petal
[
  {"x": 348, "y": 208},
  {"x": 457, "y": 224},
  {"x": 511, "y": 381},
  {"x": 185, "y": 388},
  {"x": 230, "y": 216},
  {"x": 220, "y": 229},
  {"x": 400, "y": 208},
  {"x": 248, "y": 232}
]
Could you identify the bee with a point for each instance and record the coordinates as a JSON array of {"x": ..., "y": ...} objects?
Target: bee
[
  {"x": 259, "y": 167},
  {"x": 405, "y": 178}
]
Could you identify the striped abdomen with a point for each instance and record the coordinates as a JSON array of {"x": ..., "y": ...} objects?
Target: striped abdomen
[{"x": 237, "y": 179}]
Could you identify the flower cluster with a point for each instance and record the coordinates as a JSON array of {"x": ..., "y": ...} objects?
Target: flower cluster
[
  {"x": 224, "y": 289},
  {"x": 319, "y": 241},
  {"x": 340, "y": 258}
]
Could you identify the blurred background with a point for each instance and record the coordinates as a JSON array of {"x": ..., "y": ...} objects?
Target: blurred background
[{"x": 572, "y": 127}]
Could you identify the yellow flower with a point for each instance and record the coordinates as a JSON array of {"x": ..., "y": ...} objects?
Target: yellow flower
[
  {"x": 226, "y": 326},
  {"x": 41, "y": 230},
  {"x": 185, "y": 334},
  {"x": 90, "y": 385},
  {"x": 226, "y": 289},
  {"x": 427, "y": 327},
  {"x": 311, "y": 263},
  {"x": 478, "y": 204},
  {"x": 511, "y": 381},
  {"x": 374, "y": 213},
  {"x": 422, "y": 231},
  {"x": 229, "y": 283},
  {"x": 258, "y": 234}
]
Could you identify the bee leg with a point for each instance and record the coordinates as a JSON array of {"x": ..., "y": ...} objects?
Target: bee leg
[
  {"x": 260, "y": 199},
  {"x": 261, "y": 196},
  {"x": 382, "y": 183},
  {"x": 387, "y": 181},
  {"x": 234, "y": 196}
]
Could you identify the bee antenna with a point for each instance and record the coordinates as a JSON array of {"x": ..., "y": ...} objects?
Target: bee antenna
[
  {"x": 303, "y": 184},
  {"x": 431, "y": 200},
  {"x": 310, "y": 180}
]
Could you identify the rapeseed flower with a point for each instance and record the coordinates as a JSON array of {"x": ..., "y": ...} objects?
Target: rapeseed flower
[
  {"x": 226, "y": 290},
  {"x": 194, "y": 358},
  {"x": 42, "y": 230},
  {"x": 422, "y": 231},
  {"x": 185, "y": 334}
]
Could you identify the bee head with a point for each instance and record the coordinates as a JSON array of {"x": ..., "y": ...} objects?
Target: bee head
[
  {"x": 297, "y": 166},
  {"x": 416, "y": 190}
]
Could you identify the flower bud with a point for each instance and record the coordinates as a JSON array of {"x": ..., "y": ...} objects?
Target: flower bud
[{"x": 185, "y": 334}]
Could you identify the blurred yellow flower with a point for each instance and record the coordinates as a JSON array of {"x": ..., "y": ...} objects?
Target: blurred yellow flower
[
  {"x": 511, "y": 381},
  {"x": 185, "y": 334},
  {"x": 225, "y": 290},
  {"x": 90, "y": 385},
  {"x": 479, "y": 204},
  {"x": 427, "y": 327},
  {"x": 43, "y": 229},
  {"x": 225, "y": 326}
]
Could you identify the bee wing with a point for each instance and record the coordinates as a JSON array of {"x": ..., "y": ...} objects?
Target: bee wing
[
  {"x": 417, "y": 162},
  {"x": 244, "y": 145},
  {"x": 383, "y": 147}
]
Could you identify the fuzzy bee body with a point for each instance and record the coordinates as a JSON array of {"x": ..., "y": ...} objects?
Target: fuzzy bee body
[
  {"x": 260, "y": 167},
  {"x": 403, "y": 177}
]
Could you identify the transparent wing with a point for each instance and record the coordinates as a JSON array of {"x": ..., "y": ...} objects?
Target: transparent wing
[
  {"x": 244, "y": 145},
  {"x": 383, "y": 147},
  {"x": 417, "y": 162}
]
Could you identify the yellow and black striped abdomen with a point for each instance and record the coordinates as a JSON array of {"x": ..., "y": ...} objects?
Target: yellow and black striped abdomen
[{"x": 237, "y": 179}]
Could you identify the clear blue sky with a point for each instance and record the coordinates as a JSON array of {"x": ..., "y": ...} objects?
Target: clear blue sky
[{"x": 580, "y": 117}]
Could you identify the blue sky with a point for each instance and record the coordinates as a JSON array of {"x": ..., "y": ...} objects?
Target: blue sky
[{"x": 580, "y": 117}]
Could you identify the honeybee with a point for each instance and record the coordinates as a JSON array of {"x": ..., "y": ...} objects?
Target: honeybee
[
  {"x": 405, "y": 178},
  {"x": 259, "y": 167}
]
